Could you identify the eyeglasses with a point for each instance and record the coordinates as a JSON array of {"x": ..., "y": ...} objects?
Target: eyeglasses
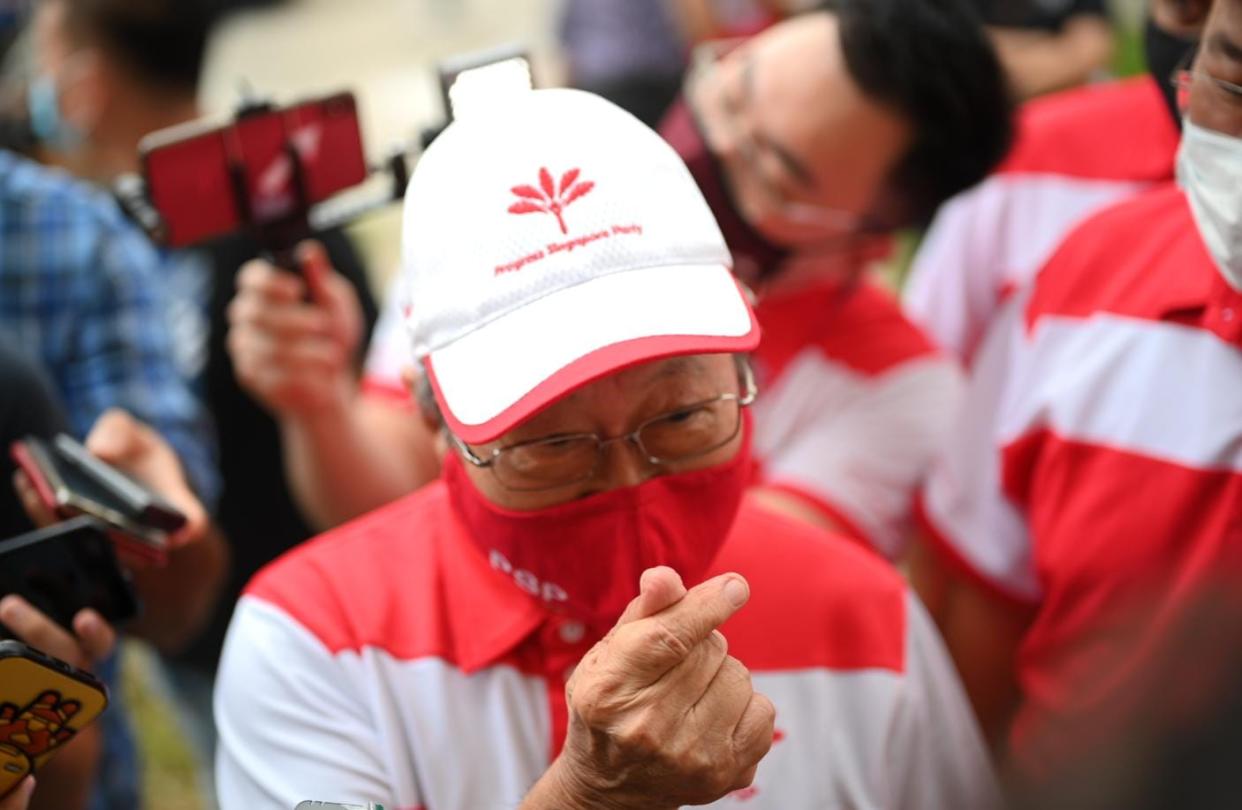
[
  {"x": 759, "y": 158},
  {"x": 1184, "y": 76},
  {"x": 688, "y": 433}
]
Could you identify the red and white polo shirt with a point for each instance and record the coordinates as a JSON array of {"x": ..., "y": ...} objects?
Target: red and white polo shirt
[
  {"x": 1096, "y": 472},
  {"x": 387, "y": 662},
  {"x": 1076, "y": 153},
  {"x": 854, "y": 402}
]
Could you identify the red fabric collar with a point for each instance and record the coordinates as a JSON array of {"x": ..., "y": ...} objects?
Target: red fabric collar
[{"x": 489, "y": 616}]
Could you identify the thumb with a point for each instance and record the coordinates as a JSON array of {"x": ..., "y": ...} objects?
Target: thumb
[
  {"x": 19, "y": 799},
  {"x": 115, "y": 436},
  {"x": 313, "y": 262},
  {"x": 658, "y": 589}
]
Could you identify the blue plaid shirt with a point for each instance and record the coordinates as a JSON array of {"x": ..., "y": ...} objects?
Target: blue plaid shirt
[{"x": 83, "y": 294}]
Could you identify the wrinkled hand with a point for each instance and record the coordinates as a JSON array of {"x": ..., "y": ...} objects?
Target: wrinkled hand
[
  {"x": 660, "y": 714},
  {"x": 291, "y": 354},
  {"x": 19, "y": 799}
]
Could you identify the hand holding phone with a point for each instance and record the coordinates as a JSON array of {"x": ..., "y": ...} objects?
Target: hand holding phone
[
  {"x": 127, "y": 476},
  {"x": 293, "y": 339},
  {"x": 44, "y": 704},
  {"x": 63, "y": 570},
  {"x": 70, "y": 481}
]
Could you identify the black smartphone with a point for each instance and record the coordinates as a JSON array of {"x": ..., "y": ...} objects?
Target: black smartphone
[
  {"x": 65, "y": 568},
  {"x": 70, "y": 482}
]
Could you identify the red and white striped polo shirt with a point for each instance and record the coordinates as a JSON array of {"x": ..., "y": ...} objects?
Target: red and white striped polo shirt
[
  {"x": 855, "y": 401},
  {"x": 387, "y": 662},
  {"x": 1076, "y": 153},
  {"x": 1096, "y": 473}
]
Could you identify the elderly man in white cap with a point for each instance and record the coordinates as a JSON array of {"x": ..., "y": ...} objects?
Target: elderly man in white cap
[{"x": 546, "y": 625}]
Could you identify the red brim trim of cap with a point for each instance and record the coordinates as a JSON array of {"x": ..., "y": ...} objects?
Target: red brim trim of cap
[{"x": 587, "y": 369}]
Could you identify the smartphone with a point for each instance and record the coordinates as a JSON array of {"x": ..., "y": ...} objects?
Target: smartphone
[
  {"x": 44, "y": 703},
  {"x": 269, "y": 166},
  {"x": 71, "y": 481},
  {"x": 336, "y": 806},
  {"x": 67, "y": 567}
]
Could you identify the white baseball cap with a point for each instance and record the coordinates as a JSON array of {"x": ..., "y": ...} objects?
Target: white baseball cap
[{"x": 552, "y": 240}]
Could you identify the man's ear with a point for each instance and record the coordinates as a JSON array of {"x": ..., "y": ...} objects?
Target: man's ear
[{"x": 412, "y": 380}]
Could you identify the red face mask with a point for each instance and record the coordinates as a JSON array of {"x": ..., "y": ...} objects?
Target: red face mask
[{"x": 584, "y": 558}]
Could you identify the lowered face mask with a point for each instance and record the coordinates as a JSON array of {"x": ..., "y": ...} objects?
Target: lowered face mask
[
  {"x": 46, "y": 122},
  {"x": 1209, "y": 170},
  {"x": 755, "y": 257}
]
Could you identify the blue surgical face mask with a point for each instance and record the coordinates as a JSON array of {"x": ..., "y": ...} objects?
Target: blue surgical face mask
[{"x": 46, "y": 122}]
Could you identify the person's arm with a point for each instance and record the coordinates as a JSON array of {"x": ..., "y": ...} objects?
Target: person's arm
[
  {"x": 349, "y": 459},
  {"x": 982, "y": 632},
  {"x": 177, "y": 598},
  {"x": 935, "y": 752},
  {"x": 853, "y": 463},
  {"x": 1040, "y": 63},
  {"x": 972, "y": 562},
  {"x": 346, "y": 452}
]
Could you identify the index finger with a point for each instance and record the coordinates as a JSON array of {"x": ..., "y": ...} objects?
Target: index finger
[
  {"x": 19, "y": 799},
  {"x": 265, "y": 279},
  {"x": 658, "y": 589},
  {"x": 654, "y": 645}
]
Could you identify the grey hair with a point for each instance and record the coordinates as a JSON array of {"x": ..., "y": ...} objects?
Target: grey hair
[{"x": 424, "y": 395}]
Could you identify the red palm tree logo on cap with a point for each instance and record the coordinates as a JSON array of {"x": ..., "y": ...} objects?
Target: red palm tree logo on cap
[{"x": 550, "y": 198}]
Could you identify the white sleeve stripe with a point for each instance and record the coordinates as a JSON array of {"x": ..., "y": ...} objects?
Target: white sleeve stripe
[
  {"x": 860, "y": 445},
  {"x": 992, "y": 238},
  {"x": 293, "y": 719},
  {"x": 936, "y": 749},
  {"x": 1081, "y": 378},
  {"x": 963, "y": 497}
]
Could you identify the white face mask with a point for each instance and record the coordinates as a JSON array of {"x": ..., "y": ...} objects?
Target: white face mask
[{"x": 1209, "y": 170}]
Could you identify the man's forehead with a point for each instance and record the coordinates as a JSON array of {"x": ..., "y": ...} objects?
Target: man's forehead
[
  {"x": 642, "y": 377},
  {"x": 629, "y": 387}
]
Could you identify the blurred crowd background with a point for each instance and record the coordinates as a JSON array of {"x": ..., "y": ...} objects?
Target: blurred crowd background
[{"x": 385, "y": 50}]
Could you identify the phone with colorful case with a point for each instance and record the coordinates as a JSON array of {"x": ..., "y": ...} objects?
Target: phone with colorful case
[{"x": 44, "y": 703}]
